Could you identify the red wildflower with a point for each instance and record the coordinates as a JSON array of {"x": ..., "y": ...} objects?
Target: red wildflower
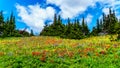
[
  {"x": 36, "y": 53},
  {"x": 97, "y": 54},
  {"x": 70, "y": 54},
  {"x": 43, "y": 59}
]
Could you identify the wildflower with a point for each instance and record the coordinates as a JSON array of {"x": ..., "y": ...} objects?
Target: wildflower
[
  {"x": 107, "y": 47},
  {"x": 43, "y": 59},
  {"x": 1, "y": 53},
  {"x": 61, "y": 55},
  {"x": 70, "y": 54},
  {"x": 97, "y": 54},
  {"x": 36, "y": 53}
]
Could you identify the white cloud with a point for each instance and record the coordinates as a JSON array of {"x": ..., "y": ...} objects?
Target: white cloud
[
  {"x": 89, "y": 18},
  {"x": 115, "y": 4},
  {"x": 105, "y": 10},
  {"x": 34, "y": 16},
  {"x": 72, "y": 8}
]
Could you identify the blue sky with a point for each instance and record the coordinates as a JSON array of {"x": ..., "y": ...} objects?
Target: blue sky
[{"x": 34, "y": 13}]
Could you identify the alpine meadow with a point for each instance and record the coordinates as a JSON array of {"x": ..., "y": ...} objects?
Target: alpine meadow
[{"x": 59, "y": 34}]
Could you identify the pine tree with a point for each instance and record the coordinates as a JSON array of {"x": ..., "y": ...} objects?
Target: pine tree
[
  {"x": 107, "y": 25},
  {"x": 60, "y": 26},
  {"x": 68, "y": 29},
  {"x": 85, "y": 29},
  {"x": 77, "y": 30},
  {"x": 98, "y": 26},
  {"x": 94, "y": 32},
  {"x": 46, "y": 30},
  {"x": 83, "y": 26},
  {"x": 31, "y": 33},
  {"x": 1, "y": 23},
  {"x": 53, "y": 27},
  {"x": 101, "y": 25},
  {"x": 55, "y": 19},
  {"x": 12, "y": 24},
  {"x": 113, "y": 22},
  {"x": 6, "y": 29}
]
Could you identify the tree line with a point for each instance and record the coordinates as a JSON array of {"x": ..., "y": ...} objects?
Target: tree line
[
  {"x": 109, "y": 24},
  {"x": 72, "y": 30},
  {"x": 8, "y": 27}
]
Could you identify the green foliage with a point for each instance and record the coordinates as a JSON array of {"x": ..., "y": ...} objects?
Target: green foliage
[
  {"x": 8, "y": 27},
  {"x": 71, "y": 30},
  {"x": 85, "y": 29},
  {"x": 111, "y": 38},
  {"x": 31, "y": 34},
  {"x": 107, "y": 25},
  {"x": 1, "y": 23},
  {"x": 94, "y": 52},
  {"x": 118, "y": 37}
]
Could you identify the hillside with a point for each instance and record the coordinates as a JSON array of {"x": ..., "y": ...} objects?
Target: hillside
[{"x": 53, "y": 52}]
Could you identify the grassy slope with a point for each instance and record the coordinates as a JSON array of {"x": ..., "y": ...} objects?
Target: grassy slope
[{"x": 30, "y": 52}]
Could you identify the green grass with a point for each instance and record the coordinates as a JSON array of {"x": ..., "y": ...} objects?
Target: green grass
[{"x": 54, "y": 52}]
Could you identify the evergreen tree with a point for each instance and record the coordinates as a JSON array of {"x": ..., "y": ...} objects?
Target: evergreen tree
[
  {"x": 94, "y": 32},
  {"x": 98, "y": 26},
  {"x": 55, "y": 19},
  {"x": 101, "y": 25},
  {"x": 60, "y": 26},
  {"x": 68, "y": 31},
  {"x": 85, "y": 29},
  {"x": 45, "y": 30},
  {"x": 6, "y": 29},
  {"x": 113, "y": 22},
  {"x": 83, "y": 26},
  {"x": 1, "y": 23},
  {"x": 12, "y": 25},
  {"x": 55, "y": 29},
  {"x": 77, "y": 30},
  {"x": 108, "y": 24},
  {"x": 31, "y": 33}
]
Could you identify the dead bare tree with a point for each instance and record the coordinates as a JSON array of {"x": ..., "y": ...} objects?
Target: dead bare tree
[{"x": 22, "y": 31}]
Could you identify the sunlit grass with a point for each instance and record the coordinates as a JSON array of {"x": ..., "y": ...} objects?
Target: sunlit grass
[{"x": 55, "y": 52}]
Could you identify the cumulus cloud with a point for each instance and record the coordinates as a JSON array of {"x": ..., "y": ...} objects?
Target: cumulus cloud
[
  {"x": 72, "y": 8},
  {"x": 106, "y": 4},
  {"x": 34, "y": 16}
]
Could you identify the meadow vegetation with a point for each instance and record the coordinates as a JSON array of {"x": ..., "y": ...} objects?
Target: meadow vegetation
[{"x": 54, "y": 52}]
